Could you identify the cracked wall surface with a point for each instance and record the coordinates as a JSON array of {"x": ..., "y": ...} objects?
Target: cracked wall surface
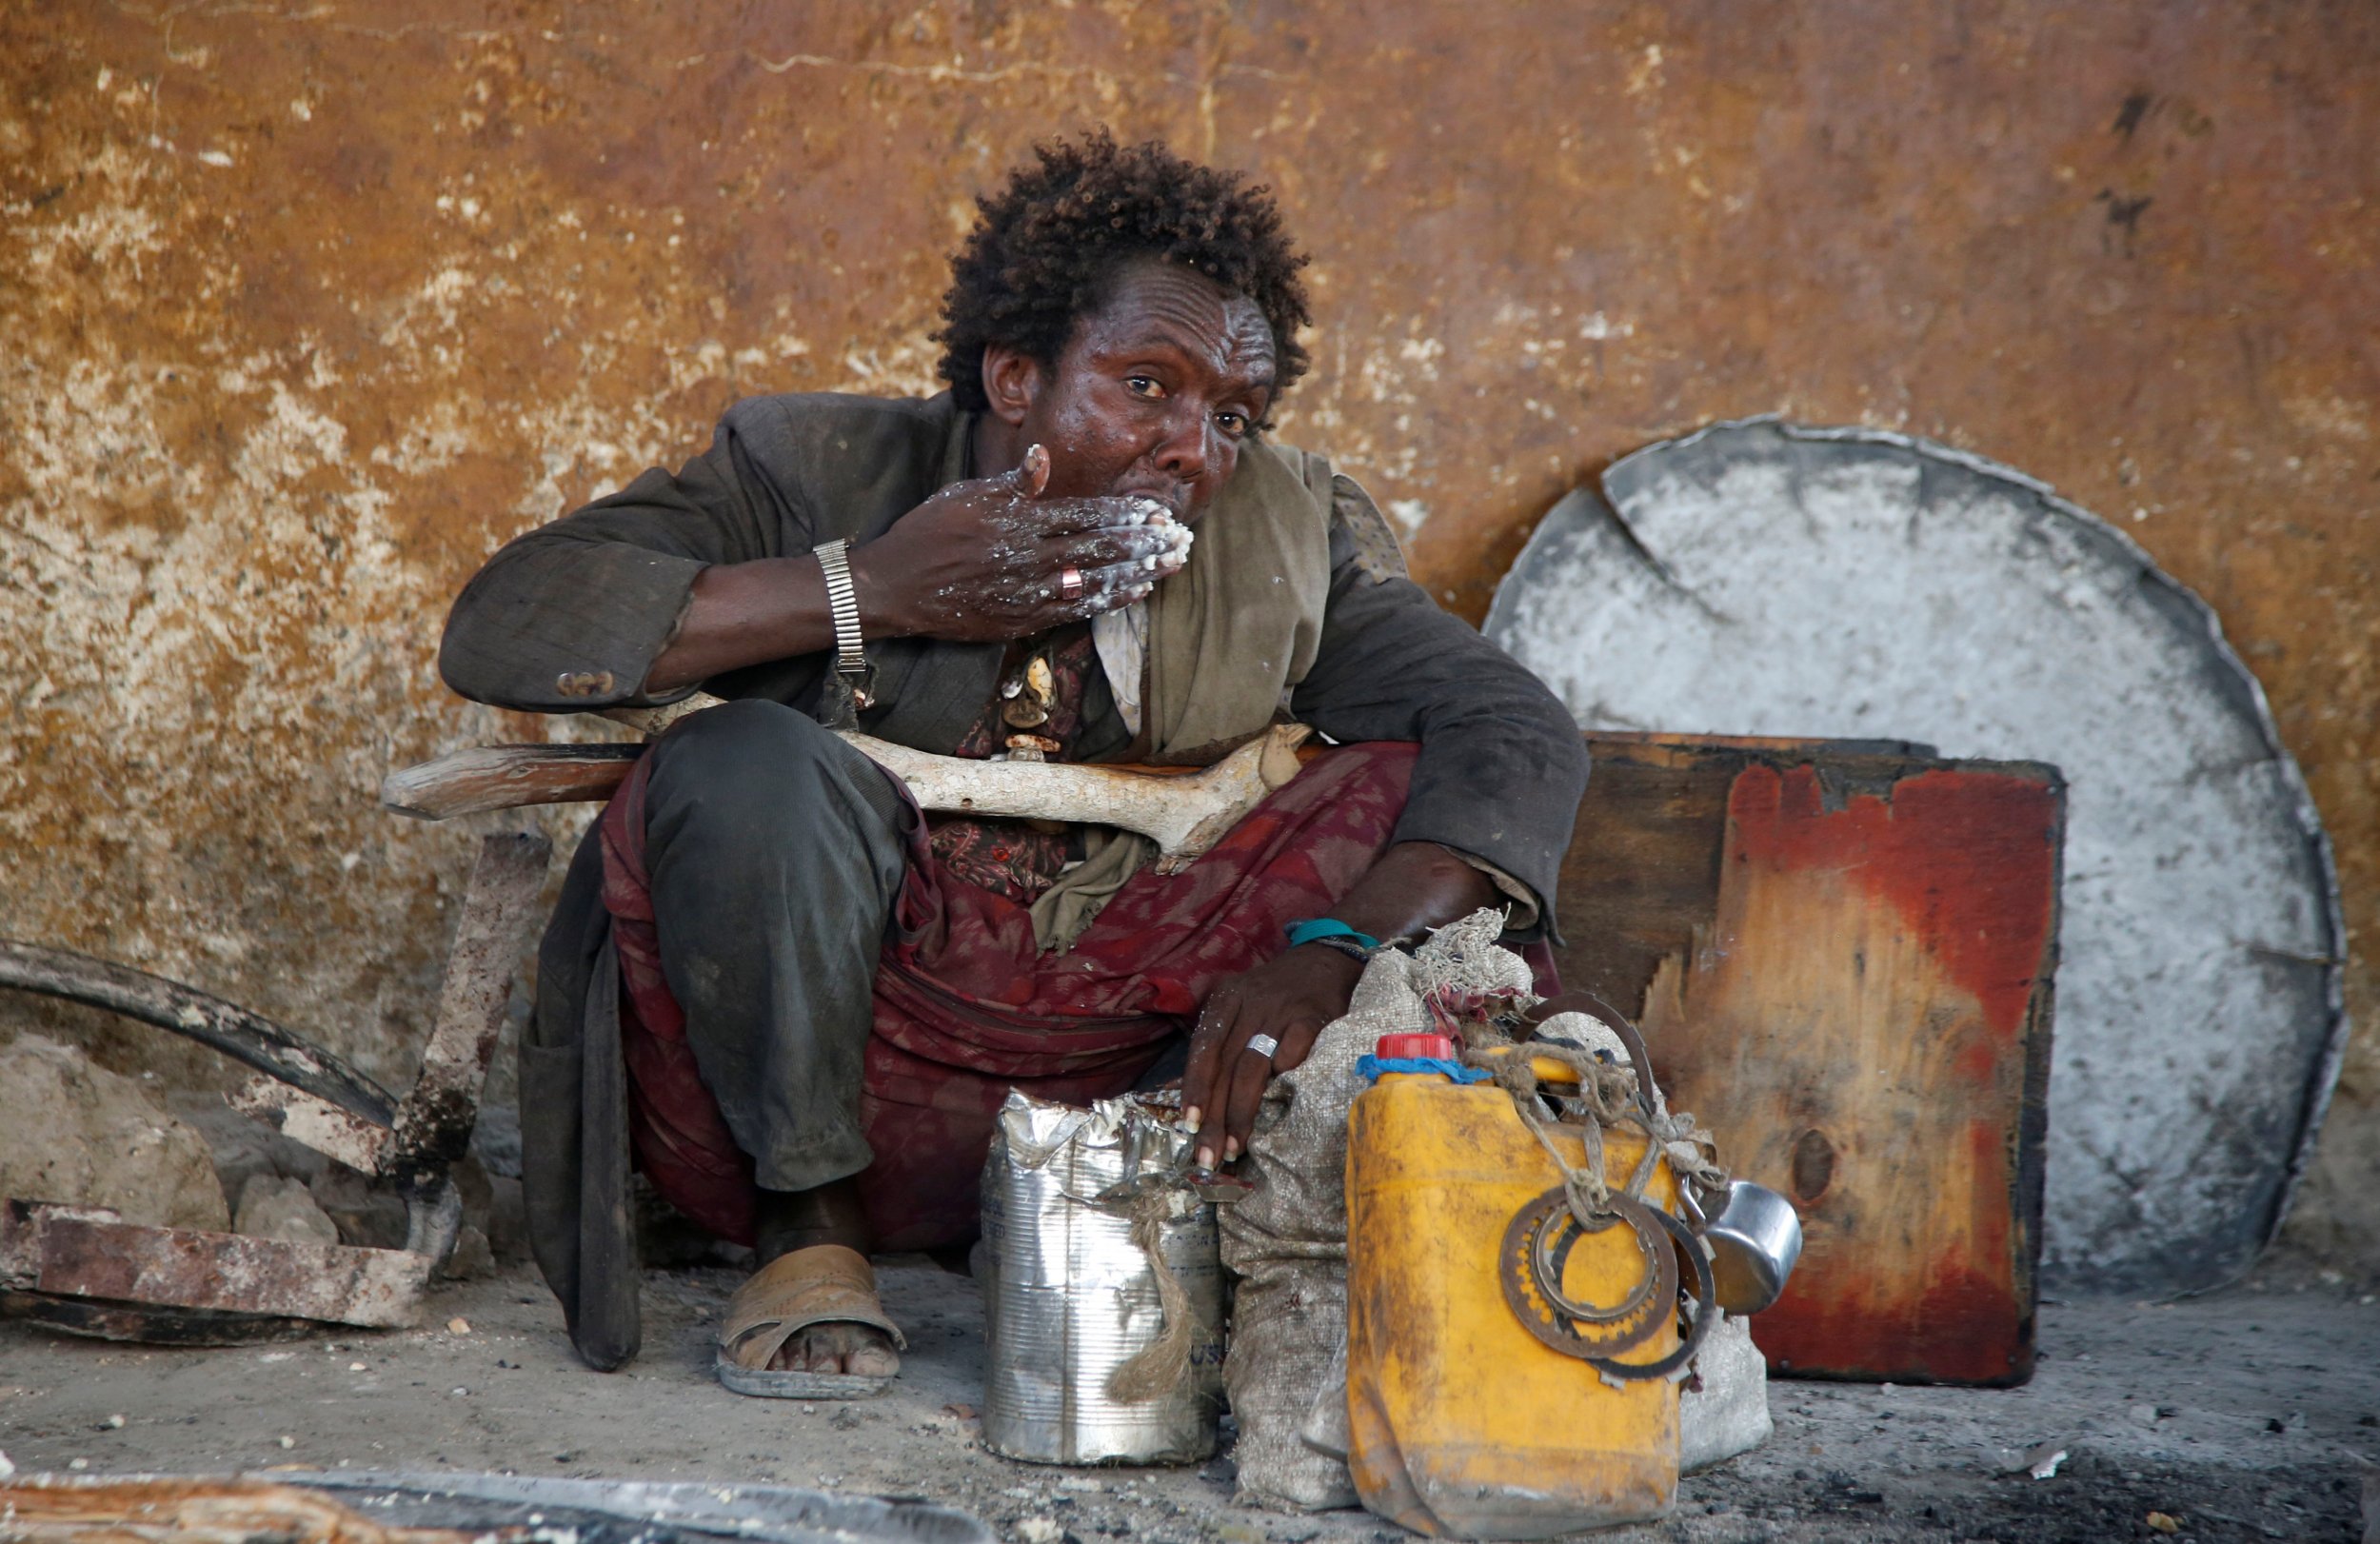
[{"x": 309, "y": 306}]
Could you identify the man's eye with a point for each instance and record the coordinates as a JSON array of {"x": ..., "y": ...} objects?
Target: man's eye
[
  {"x": 1142, "y": 385},
  {"x": 1234, "y": 425}
]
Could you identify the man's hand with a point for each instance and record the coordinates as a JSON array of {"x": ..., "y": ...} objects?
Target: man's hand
[
  {"x": 979, "y": 561},
  {"x": 1289, "y": 997},
  {"x": 1413, "y": 886},
  {"x": 984, "y": 560}
]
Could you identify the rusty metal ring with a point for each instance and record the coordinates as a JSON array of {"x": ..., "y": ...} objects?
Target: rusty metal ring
[
  {"x": 1516, "y": 1269},
  {"x": 1639, "y": 1057},
  {"x": 1706, "y": 1311},
  {"x": 1548, "y": 1262}
]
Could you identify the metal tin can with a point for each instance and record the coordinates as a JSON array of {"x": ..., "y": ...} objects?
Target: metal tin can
[{"x": 1069, "y": 1296}]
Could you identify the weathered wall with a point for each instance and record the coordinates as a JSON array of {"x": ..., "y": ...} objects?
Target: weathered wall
[{"x": 309, "y": 306}]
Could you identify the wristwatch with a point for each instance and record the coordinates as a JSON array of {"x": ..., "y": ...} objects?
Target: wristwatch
[{"x": 853, "y": 674}]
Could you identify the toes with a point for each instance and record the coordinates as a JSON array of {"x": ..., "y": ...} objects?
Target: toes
[
  {"x": 854, "y": 1349},
  {"x": 802, "y": 1353},
  {"x": 873, "y": 1356}
]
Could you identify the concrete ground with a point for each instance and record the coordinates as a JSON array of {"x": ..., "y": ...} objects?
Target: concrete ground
[{"x": 2246, "y": 1416}]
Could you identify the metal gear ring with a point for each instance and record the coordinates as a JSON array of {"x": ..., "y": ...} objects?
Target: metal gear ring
[
  {"x": 1550, "y": 1257},
  {"x": 1517, "y": 1265},
  {"x": 1706, "y": 1311}
]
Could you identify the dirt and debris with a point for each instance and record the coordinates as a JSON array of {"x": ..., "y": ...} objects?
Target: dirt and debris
[{"x": 2244, "y": 1416}]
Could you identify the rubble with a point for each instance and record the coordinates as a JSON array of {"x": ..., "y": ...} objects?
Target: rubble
[
  {"x": 368, "y": 1216},
  {"x": 89, "y": 1268},
  {"x": 242, "y": 1148},
  {"x": 472, "y": 1256},
  {"x": 71, "y": 1131},
  {"x": 274, "y": 1207}
]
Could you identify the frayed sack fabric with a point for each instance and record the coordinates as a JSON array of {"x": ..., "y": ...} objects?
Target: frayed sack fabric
[{"x": 1728, "y": 1414}]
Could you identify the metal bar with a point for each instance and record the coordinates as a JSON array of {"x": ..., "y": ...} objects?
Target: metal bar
[
  {"x": 318, "y": 1123},
  {"x": 64, "y": 1252},
  {"x": 210, "y": 1020},
  {"x": 433, "y": 1126}
]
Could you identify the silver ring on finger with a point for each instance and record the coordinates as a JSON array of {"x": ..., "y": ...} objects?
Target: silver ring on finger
[
  {"x": 1070, "y": 583},
  {"x": 1264, "y": 1045}
]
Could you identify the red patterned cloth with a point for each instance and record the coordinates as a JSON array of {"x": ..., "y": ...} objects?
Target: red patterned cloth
[{"x": 966, "y": 1006}]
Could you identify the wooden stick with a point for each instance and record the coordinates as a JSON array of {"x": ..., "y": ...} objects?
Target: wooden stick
[
  {"x": 433, "y": 1125},
  {"x": 484, "y": 778}
]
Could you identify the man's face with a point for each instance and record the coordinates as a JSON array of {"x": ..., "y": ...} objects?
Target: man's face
[{"x": 1155, "y": 391}]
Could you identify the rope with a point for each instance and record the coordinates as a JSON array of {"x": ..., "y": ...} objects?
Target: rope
[
  {"x": 1372, "y": 1068},
  {"x": 1159, "y": 1367},
  {"x": 1608, "y": 1092}
]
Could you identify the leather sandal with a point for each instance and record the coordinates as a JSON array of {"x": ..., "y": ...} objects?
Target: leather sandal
[{"x": 824, "y": 1284}]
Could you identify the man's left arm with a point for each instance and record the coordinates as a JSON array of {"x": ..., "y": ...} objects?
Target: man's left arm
[
  {"x": 1488, "y": 816},
  {"x": 1502, "y": 766}
]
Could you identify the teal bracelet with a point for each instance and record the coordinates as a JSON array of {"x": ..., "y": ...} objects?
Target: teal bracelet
[{"x": 1327, "y": 927}]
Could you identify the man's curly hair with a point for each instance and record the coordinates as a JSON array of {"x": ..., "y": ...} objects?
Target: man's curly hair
[{"x": 1047, "y": 245}]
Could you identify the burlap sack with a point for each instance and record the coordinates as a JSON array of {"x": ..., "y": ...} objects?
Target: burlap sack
[
  {"x": 1730, "y": 1413},
  {"x": 1287, "y": 1243}
]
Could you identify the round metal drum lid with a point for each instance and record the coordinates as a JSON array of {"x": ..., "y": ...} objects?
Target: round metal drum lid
[{"x": 1760, "y": 578}]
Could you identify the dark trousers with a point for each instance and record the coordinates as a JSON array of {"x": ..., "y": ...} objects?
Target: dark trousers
[{"x": 775, "y": 855}]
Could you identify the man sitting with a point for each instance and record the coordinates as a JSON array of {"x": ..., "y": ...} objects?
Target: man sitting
[{"x": 797, "y": 1001}]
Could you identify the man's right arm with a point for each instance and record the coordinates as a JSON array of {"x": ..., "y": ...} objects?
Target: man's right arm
[
  {"x": 978, "y": 562},
  {"x": 641, "y": 597},
  {"x": 573, "y": 615}
]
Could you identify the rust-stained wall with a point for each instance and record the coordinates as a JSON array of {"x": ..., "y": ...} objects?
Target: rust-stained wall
[{"x": 309, "y": 305}]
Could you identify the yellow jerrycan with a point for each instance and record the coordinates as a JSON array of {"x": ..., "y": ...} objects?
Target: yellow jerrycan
[{"x": 1510, "y": 1373}]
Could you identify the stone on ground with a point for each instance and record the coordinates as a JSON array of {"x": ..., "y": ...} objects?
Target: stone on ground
[
  {"x": 242, "y": 1146},
  {"x": 472, "y": 1259},
  {"x": 73, "y": 1131},
  {"x": 274, "y": 1207}
]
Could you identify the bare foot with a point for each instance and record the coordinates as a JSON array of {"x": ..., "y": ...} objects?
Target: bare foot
[{"x": 861, "y": 1350}]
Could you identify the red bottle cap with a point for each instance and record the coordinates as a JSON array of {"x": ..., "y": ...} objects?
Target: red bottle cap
[{"x": 1415, "y": 1047}]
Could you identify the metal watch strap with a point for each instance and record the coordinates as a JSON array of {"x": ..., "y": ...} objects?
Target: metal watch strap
[{"x": 853, "y": 673}]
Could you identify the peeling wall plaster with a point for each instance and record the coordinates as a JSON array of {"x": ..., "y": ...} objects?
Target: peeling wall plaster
[{"x": 307, "y": 307}]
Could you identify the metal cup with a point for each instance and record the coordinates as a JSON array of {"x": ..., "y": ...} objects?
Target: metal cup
[{"x": 1754, "y": 1243}]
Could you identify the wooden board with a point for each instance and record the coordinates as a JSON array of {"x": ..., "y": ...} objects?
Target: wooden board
[{"x": 1842, "y": 961}]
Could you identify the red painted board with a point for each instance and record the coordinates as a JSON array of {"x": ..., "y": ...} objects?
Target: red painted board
[{"x": 1843, "y": 965}]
